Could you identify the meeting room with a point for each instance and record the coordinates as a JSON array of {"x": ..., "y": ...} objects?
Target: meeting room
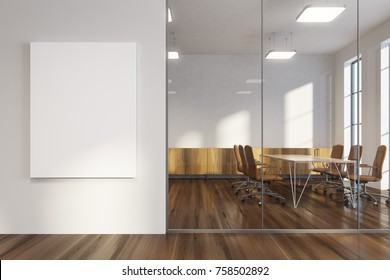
[{"x": 278, "y": 122}]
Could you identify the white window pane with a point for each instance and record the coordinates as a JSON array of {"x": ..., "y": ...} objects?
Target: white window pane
[
  {"x": 385, "y": 101},
  {"x": 347, "y": 80},
  {"x": 385, "y": 57},
  {"x": 347, "y": 111}
]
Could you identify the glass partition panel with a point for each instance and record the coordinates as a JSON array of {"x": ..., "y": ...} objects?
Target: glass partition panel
[
  {"x": 213, "y": 104},
  {"x": 374, "y": 49},
  {"x": 232, "y": 84},
  {"x": 306, "y": 73}
]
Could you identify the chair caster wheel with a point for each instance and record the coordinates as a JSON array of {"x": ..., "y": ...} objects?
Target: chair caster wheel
[
  {"x": 242, "y": 199},
  {"x": 324, "y": 192},
  {"x": 330, "y": 195},
  {"x": 282, "y": 202},
  {"x": 375, "y": 204},
  {"x": 236, "y": 192},
  {"x": 247, "y": 190},
  {"x": 260, "y": 203},
  {"x": 387, "y": 201}
]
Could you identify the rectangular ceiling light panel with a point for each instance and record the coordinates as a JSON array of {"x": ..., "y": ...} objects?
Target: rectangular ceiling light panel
[
  {"x": 173, "y": 55},
  {"x": 319, "y": 14},
  {"x": 169, "y": 15},
  {"x": 280, "y": 54},
  {"x": 244, "y": 92},
  {"x": 83, "y": 110},
  {"x": 254, "y": 81}
]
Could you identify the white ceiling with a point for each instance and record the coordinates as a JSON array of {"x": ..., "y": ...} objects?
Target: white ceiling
[{"x": 233, "y": 26}]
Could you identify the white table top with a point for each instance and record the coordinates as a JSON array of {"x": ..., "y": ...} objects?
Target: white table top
[{"x": 307, "y": 158}]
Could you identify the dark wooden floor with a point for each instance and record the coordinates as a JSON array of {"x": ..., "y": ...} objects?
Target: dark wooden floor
[
  {"x": 212, "y": 204},
  {"x": 196, "y": 246},
  {"x": 202, "y": 204}
]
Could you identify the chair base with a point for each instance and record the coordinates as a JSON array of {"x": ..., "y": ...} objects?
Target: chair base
[
  {"x": 329, "y": 185},
  {"x": 267, "y": 191},
  {"x": 372, "y": 196},
  {"x": 243, "y": 185}
]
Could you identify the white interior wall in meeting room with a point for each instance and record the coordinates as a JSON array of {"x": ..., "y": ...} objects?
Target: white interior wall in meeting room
[
  {"x": 98, "y": 206},
  {"x": 212, "y": 103}
]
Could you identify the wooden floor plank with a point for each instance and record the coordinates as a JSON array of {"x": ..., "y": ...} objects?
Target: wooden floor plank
[
  {"x": 212, "y": 204},
  {"x": 197, "y": 246},
  {"x": 35, "y": 246}
]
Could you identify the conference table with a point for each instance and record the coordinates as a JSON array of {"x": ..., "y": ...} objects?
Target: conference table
[{"x": 295, "y": 160}]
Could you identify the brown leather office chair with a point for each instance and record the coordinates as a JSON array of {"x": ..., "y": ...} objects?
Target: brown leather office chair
[
  {"x": 247, "y": 185},
  {"x": 240, "y": 168},
  {"x": 339, "y": 172},
  {"x": 256, "y": 173},
  {"x": 374, "y": 174},
  {"x": 337, "y": 153}
]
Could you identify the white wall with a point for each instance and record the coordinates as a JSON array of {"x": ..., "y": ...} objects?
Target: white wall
[
  {"x": 82, "y": 206},
  {"x": 207, "y": 112},
  {"x": 370, "y": 45},
  {"x": 296, "y": 101}
]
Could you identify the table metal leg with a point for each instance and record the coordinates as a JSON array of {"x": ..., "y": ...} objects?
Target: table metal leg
[
  {"x": 294, "y": 184},
  {"x": 353, "y": 194}
]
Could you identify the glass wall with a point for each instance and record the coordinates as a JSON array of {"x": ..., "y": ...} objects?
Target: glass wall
[
  {"x": 229, "y": 87},
  {"x": 302, "y": 116},
  {"x": 374, "y": 204},
  {"x": 213, "y": 103}
]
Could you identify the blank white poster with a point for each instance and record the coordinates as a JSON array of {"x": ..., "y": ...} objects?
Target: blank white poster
[{"x": 83, "y": 110}]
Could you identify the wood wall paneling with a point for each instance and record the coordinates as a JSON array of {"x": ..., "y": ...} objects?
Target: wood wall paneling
[
  {"x": 187, "y": 161},
  {"x": 221, "y": 161},
  {"x": 204, "y": 161}
]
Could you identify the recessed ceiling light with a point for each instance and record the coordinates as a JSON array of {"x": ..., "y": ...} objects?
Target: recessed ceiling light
[
  {"x": 319, "y": 14},
  {"x": 173, "y": 55},
  {"x": 254, "y": 81},
  {"x": 171, "y": 92},
  {"x": 169, "y": 15},
  {"x": 280, "y": 54},
  {"x": 169, "y": 81},
  {"x": 243, "y": 92}
]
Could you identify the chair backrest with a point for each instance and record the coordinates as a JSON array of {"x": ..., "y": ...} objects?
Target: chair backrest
[
  {"x": 238, "y": 158},
  {"x": 355, "y": 154},
  {"x": 378, "y": 162},
  {"x": 243, "y": 160},
  {"x": 337, "y": 151},
  {"x": 252, "y": 168}
]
